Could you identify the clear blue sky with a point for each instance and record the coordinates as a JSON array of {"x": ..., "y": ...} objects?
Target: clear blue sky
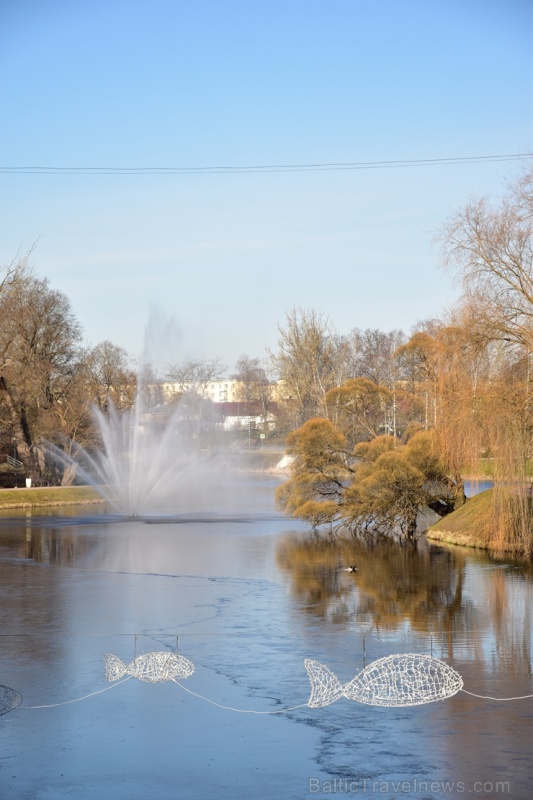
[{"x": 176, "y": 83}]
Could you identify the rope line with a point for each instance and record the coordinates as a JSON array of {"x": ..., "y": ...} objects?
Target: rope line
[
  {"x": 245, "y": 710},
  {"x": 407, "y": 679},
  {"x": 238, "y": 710},
  {"x": 78, "y": 699},
  {"x": 486, "y": 697}
]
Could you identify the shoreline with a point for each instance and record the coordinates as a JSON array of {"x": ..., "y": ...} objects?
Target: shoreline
[
  {"x": 460, "y": 539},
  {"x": 41, "y": 497}
]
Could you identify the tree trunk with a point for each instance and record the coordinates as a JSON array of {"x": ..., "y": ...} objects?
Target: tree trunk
[
  {"x": 69, "y": 475},
  {"x": 21, "y": 432}
]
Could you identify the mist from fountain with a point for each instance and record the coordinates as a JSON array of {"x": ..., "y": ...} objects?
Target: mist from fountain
[
  {"x": 156, "y": 457},
  {"x": 146, "y": 465}
]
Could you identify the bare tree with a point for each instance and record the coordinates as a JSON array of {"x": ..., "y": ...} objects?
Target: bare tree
[
  {"x": 255, "y": 387},
  {"x": 253, "y": 379},
  {"x": 39, "y": 355},
  {"x": 196, "y": 376},
  {"x": 372, "y": 355},
  {"x": 192, "y": 380},
  {"x": 491, "y": 248},
  {"x": 305, "y": 362},
  {"x": 110, "y": 375}
]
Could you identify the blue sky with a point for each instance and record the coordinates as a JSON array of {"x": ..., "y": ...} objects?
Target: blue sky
[{"x": 129, "y": 83}]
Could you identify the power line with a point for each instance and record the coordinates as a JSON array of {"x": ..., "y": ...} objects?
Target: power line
[{"x": 265, "y": 168}]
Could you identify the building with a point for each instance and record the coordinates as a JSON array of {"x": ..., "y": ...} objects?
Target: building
[
  {"x": 245, "y": 416},
  {"x": 225, "y": 390}
]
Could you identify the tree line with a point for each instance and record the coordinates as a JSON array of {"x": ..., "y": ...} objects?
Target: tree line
[
  {"x": 378, "y": 422},
  {"x": 50, "y": 379},
  {"x": 383, "y": 423}
]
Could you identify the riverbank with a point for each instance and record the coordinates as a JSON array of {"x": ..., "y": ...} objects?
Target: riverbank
[
  {"x": 501, "y": 524},
  {"x": 464, "y": 525},
  {"x": 49, "y": 496}
]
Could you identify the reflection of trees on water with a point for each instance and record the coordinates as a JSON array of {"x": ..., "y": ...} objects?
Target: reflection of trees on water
[
  {"x": 511, "y": 621},
  {"x": 32, "y": 599},
  {"x": 314, "y": 567},
  {"x": 393, "y": 582},
  {"x": 50, "y": 546},
  {"x": 417, "y": 584}
]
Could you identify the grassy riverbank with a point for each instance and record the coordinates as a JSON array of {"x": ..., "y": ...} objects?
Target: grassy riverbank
[
  {"x": 500, "y": 521},
  {"x": 50, "y": 496},
  {"x": 465, "y": 525}
]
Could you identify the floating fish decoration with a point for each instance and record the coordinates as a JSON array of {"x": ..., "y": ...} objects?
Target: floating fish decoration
[
  {"x": 152, "y": 667},
  {"x": 9, "y": 699},
  {"x": 398, "y": 680}
]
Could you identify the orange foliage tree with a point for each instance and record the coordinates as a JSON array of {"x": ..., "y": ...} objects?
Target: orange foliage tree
[{"x": 377, "y": 486}]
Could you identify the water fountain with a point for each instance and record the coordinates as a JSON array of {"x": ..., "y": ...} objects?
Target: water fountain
[
  {"x": 149, "y": 462},
  {"x": 156, "y": 457}
]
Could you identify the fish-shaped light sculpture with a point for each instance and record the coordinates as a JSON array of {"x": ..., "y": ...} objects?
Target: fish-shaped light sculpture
[
  {"x": 9, "y": 699},
  {"x": 398, "y": 680},
  {"x": 151, "y": 667}
]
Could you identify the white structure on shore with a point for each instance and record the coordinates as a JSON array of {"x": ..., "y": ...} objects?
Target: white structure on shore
[
  {"x": 225, "y": 390},
  {"x": 230, "y": 410}
]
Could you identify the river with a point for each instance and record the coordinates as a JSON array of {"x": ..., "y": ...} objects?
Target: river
[{"x": 246, "y": 595}]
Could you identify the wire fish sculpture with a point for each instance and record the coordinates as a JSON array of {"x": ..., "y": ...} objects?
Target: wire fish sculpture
[
  {"x": 398, "y": 680},
  {"x": 9, "y": 699},
  {"x": 151, "y": 667}
]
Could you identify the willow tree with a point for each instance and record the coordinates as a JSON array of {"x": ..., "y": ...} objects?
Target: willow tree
[
  {"x": 392, "y": 482},
  {"x": 320, "y": 470},
  {"x": 377, "y": 487},
  {"x": 359, "y": 408},
  {"x": 490, "y": 247},
  {"x": 418, "y": 358}
]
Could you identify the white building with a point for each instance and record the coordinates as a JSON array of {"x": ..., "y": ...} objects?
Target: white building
[
  {"x": 243, "y": 416},
  {"x": 225, "y": 390}
]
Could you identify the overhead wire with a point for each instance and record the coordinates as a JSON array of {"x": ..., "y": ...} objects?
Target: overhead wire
[{"x": 262, "y": 168}]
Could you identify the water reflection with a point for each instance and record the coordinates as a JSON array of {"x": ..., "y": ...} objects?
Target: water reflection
[
  {"x": 74, "y": 589},
  {"x": 62, "y": 547},
  {"x": 460, "y": 598}
]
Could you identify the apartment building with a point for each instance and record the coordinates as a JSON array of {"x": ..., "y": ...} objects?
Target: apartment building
[{"x": 225, "y": 390}]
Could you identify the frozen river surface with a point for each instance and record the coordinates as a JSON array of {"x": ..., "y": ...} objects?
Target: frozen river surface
[{"x": 247, "y": 596}]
